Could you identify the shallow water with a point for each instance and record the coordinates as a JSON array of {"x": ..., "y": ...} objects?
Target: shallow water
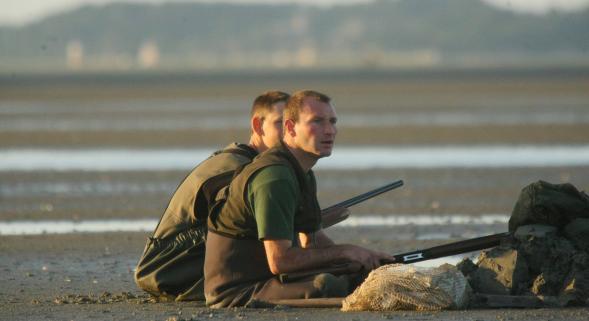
[
  {"x": 146, "y": 225},
  {"x": 99, "y": 122},
  {"x": 476, "y": 156},
  {"x": 84, "y": 189}
]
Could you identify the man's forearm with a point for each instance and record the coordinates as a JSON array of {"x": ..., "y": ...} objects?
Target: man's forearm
[
  {"x": 284, "y": 258},
  {"x": 297, "y": 259}
]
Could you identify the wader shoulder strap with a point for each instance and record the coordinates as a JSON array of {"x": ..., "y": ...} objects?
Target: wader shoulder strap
[
  {"x": 209, "y": 188},
  {"x": 239, "y": 149}
]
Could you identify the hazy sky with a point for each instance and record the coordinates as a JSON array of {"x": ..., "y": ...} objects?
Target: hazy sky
[{"x": 16, "y": 12}]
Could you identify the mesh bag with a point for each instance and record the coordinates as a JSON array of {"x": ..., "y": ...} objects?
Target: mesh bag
[{"x": 406, "y": 287}]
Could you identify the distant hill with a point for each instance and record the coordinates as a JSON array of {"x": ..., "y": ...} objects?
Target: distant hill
[{"x": 429, "y": 29}]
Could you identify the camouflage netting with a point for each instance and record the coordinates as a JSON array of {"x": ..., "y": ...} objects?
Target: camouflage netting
[{"x": 406, "y": 287}]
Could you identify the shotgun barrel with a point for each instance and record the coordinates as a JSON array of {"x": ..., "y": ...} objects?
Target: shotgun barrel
[{"x": 368, "y": 195}]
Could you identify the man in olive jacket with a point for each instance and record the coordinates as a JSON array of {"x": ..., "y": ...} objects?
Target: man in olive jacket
[
  {"x": 270, "y": 203},
  {"x": 172, "y": 262}
]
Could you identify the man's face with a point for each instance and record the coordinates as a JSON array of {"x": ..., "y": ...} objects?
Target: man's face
[
  {"x": 315, "y": 130},
  {"x": 272, "y": 125}
]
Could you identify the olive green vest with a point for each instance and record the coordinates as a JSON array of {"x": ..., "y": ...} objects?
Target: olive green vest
[
  {"x": 189, "y": 205},
  {"x": 232, "y": 217},
  {"x": 235, "y": 264}
]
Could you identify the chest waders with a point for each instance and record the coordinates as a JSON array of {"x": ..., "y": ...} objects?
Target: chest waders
[{"x": 172, "y": 262}]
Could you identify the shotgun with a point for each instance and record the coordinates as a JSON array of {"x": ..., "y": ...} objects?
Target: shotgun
[
  {"x": 358, "y": 199},
  {"x": 460, "y": 247}
]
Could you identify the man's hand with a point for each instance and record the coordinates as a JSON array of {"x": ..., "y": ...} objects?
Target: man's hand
[
  {"x": 334, "y": 216},
  {"x": 369, "y": 259}
]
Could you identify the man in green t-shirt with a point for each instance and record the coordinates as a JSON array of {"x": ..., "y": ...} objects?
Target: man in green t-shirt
[
  {"x": 270, "y": 222},
  {"x": 309, "y": 134}
]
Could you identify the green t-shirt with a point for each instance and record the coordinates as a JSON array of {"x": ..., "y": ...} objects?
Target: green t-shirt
[{"x": 272, "y": 195}]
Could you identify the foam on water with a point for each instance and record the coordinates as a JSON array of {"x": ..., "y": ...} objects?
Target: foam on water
[
  {"x": 349, "y": 120},
  {"x": 84, "y": 188},
  {"x": 146, "y": 225},
  {"x": 399, "y": 220},
  {"x": 66, "y": 227},
  {"x": 493, "y": 156},
  {"x": 121, "y": 125}
]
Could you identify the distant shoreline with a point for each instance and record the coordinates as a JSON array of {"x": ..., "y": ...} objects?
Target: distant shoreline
[{"x": 28, "y": 77}]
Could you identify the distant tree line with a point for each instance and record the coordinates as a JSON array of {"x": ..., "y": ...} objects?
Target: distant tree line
[{"x": 443, "y": 26}]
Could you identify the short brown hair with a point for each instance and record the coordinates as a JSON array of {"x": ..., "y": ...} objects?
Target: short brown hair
[
  {"x": 295, "y": 102},
  {"x": 263, "y": 103}
]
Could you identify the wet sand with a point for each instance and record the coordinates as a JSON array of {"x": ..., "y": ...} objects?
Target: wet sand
[
  {"x": 136, "y": 195},
  {"x": 40, "y": 273},
  {"x": 44, "y": 276}
]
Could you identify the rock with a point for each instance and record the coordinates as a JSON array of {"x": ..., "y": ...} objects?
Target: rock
[
  {"x": 525, "y": 232},
  {"x": 575, "y": 289},
  {"x": 500, "y": 271},
  {"x": 552, "y": 204},
  {"x": 539, "y": 285},
  {"x": 578, "y": 233},
  {"x": 466, "y": 266},
  {"x": 547, "y": 284},
  {"x": 494, "y": 301},
  {"x": 549, "y": 255},
  {"x": 576, "y": 285},
  {"x": 581, "y": 261},
  {"x": 550, "y": 281},
  {"x": 539, "y": 262},
  {"x": 554, "y": 302},
  {"x": 330, "y": 285}
]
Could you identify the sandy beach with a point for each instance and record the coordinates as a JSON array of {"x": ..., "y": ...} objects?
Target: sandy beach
[{"x": 89, "y": 276}]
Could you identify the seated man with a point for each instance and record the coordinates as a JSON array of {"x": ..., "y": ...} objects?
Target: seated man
[
  {"x": 172, "y": 262},
  {"x": 269, "y": 203}
]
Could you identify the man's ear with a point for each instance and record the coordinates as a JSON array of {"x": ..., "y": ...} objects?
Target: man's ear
[
  {"x": 289, "y": 125},
  {"x": 257, "y": 125}
]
